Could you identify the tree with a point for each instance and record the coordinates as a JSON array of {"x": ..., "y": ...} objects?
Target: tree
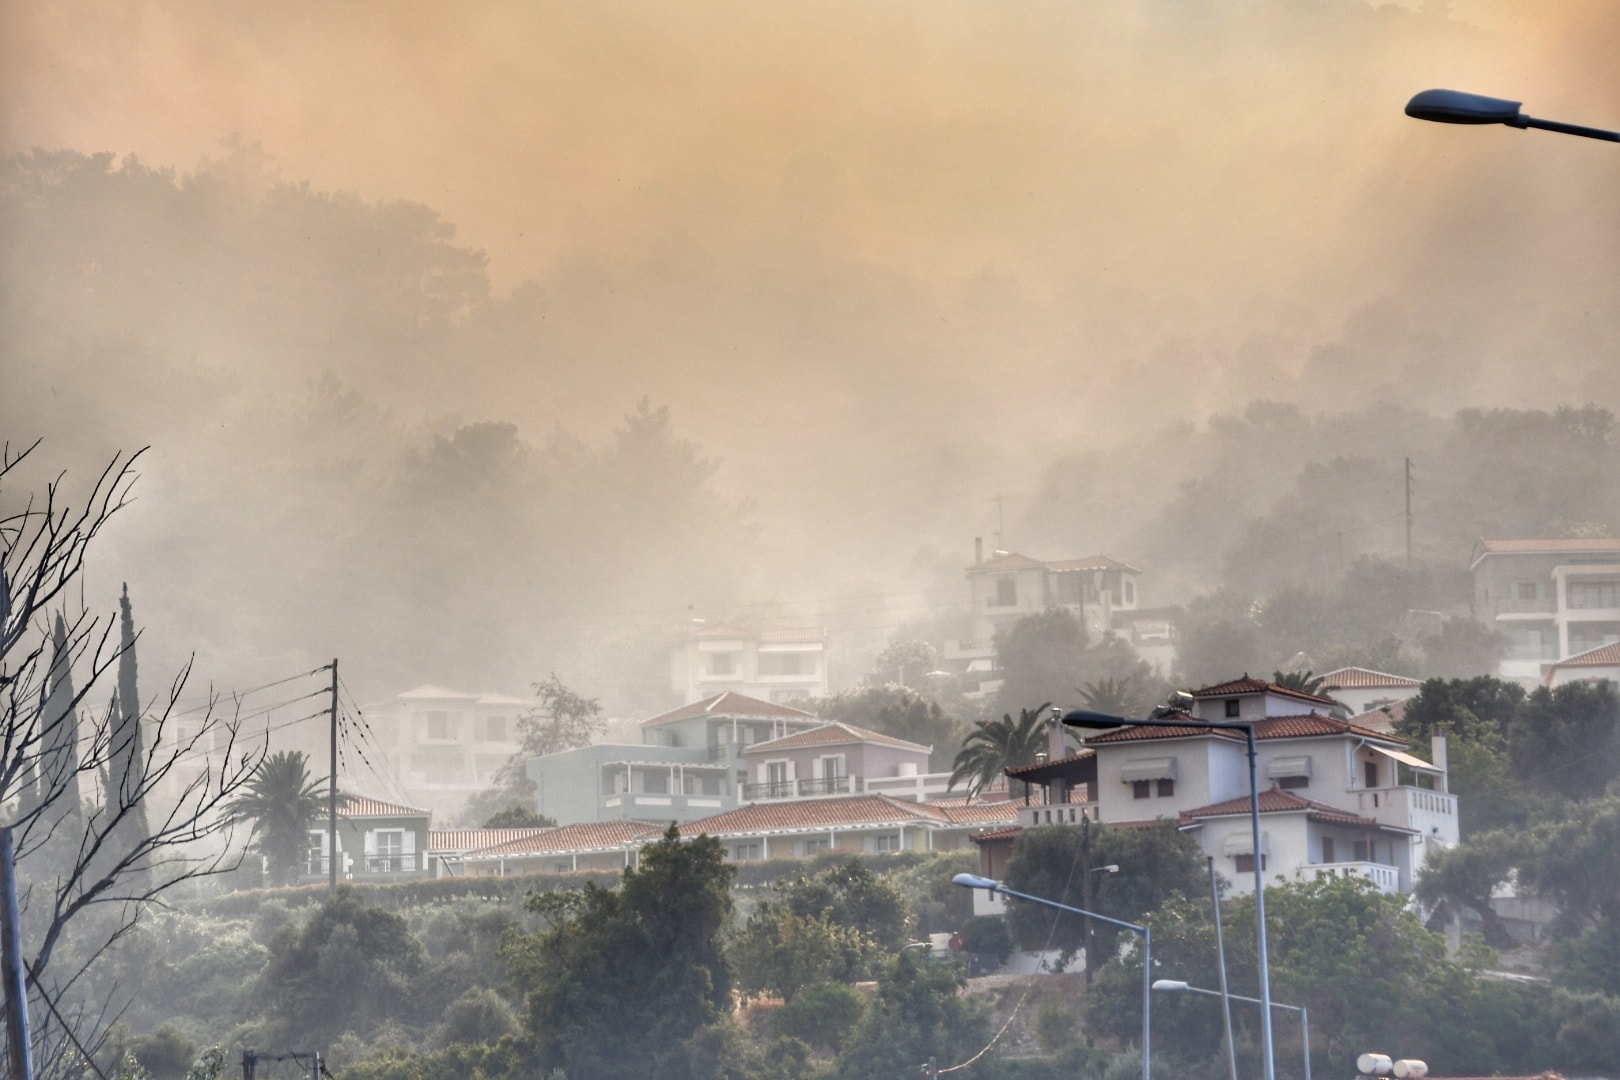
[
  {"x": 993, "y": 745},
  {"x": 1039, "y": 659},
  {"x": 284, "y": 802},
  {"x": 917, "y": 1014},
  {"x": 850, "y": 894},
  {"x": 1467, "y": 874},
  {"x": 90, "y": 868},
  {"x": 564, "y": 720},
  {"x": 1306, "y": 682},
  {"x": 1565, "y": 741},
  {"x": 897, "y": 711},
  {"x": 905, "y": 662},
  {"x": 1117, "y": 697},
  {"x": 519, "y": 817},
  {"x": 779, "y": 952},
  {"x": 626, "y": 976}
]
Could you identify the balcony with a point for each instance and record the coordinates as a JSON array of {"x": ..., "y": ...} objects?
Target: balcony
[
  {"x": 1387, "y": 878},
  {"x": 802, "y": 789},
  {"x": 1428, "y": 812},
  {"x": 390, "y": 864}
]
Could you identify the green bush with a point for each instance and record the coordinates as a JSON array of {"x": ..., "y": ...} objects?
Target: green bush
[{"x": 822, "y": 1015}]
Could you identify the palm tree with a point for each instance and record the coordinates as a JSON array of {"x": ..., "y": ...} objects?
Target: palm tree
[
  {"x": 993, "y": 745},
  {"x": 283, "y": 801},
  {"x": 1114, "y": 696},
  {"x": 1307, "y": 682}
]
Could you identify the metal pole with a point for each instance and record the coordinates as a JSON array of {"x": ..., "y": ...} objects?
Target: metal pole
[
  {"x": 1220, "y": 957},
  {"x": 11, "y": 959},
  {"x": 1304, "y": 1015},
  {"x": 1260, "y": 907},
  {"x": 1305, "y": 1033},
  {"x": 331, "y": 794}
]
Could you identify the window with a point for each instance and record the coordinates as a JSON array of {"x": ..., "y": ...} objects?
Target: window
[
  {"x": 1327, "y": 850},
  {"x": 776, "y": 779},
  {"x": 438, "y": 725},
  {"x": 1006, "y": 592},
  {"x": 1527, "y": 590},
  {"x": 1130, "y": 593},
  {"x": 1166, "y": 788},
  {"x": 1245, "y": 863},
  {"x": 1360, "y": 851},
  {"x": 1141, "y": 789},
  {"x": 785, "y": 663},
  {"x": 495, "y": 729},
  {"x": 389, "y": 851},
  {"x": 1594, "y": 594},
  {"x": 813, "y": 846},
  {"x": 1293, "y": 783},
  {"x": 746, "y": 851},
  {"x": 1233, "y": 706},
  {"x": 315, "y": 858},
  {"x": 1369, "y": 773},
  {"x": 722, "y": 663},
  {"x": 886, "y": 842}
]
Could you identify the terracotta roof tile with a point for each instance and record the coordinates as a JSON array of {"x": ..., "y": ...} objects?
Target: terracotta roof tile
[
  {"x": 728, "y": 704},
  {"x": 587, "y": 836},
  {"x": 473, "y": 839},
  {"x": 817, "y": 814},
  {"x": 832, "y": 734},
  {"x": 1015, "y": 771},
  {"x": 1360, "y": 678},
  {"x": 1306, "y": 725},
  {"x": 357, "y": 806},
  {"x": 1012, "y": 560},
  {"x": 1277, "y": 801},
  {"x": 1250, "y": 685},
  {"x": 1602, "y": 656},
  {"x": 996, "y": 834},
  {"x": 978, "y": 812}
]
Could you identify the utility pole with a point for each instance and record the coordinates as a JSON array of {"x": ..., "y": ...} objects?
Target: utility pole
[
  {"x": 249, "y": 1060},
  {"x": 11, "y": 959},
  {"x": 1409, "y": 515},
  {"x": 331, "y": 791}
]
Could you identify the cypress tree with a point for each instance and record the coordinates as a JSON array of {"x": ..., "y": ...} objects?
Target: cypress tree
[
  {"x": 59, "y": 753},
  {"x": 128, "y": 773}
]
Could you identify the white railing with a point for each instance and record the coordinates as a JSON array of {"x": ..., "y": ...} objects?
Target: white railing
[
  {"x": 1387, "y": 878},
  {"x": 1410, "y": 808}
]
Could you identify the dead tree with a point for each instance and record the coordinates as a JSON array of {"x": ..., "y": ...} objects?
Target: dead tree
[{"x": 95, "y": 845}]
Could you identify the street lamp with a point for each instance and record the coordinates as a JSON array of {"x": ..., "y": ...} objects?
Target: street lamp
[
  {"x": 1304, "y": 1013},
  {"x": 1456, "y": 107},
  {"x": 1095, "y": 721},
  {"x": 992, "y": 886}
]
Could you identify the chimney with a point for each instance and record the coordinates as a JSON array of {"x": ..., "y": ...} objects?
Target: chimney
[
  {"x": 1437, "y": 758},
  {"x": 978, "y": 550}
]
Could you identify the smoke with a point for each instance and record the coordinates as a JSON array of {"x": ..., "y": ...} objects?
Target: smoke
[{"x": 884, "y": 262}]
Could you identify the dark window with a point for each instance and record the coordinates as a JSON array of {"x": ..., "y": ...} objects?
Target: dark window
[
  {"x": 722, "y": 663},
  {"x": 1166, "y": 788},
  {"x": 1006, "y": 591},
  {"x": 1369, "y": 773},
  {"x": 1287, "y": 782},
  {"x": 1245, "y": 863},
  {"x": 1141, "y": 789},
  {"x": 1360, "y": 847},
  {"x": 1527, "y": 590},
  {"x": 1327, "y": 849},
  {"x": 789, "y": 663},
  {"x": 1232, "y": 706}
]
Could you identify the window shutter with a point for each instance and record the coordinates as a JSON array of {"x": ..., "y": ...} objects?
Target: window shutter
[
  {"x": 409, "y": 842},
  {"x": 371, "y": 842}
]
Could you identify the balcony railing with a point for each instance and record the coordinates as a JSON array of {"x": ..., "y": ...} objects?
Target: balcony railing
[
  {"x": 389, "y": 864},
  {"x": 1387, "y": 878},
  {"x": 798, "y": 789}
]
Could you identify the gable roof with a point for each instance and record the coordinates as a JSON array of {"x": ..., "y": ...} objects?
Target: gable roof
[
  {"x": 1360, "y": 678},
  {"x": 1602, "y": 656},
  {"x": 586, "y": 836},
  {"x": 1564, "y": 545},
  {"x": 1303, "y": 726},
  {"x": 729, "y": 704},
  {"x": 460, "y": 840},
  {"x": 833, "y": 734},
  {"x": 431, "y": 692},
  {"x": 1277, "y": 801},
  {"x": 359, "y": 806},
  {"x": 815, "y": 814},
  {"x": 1250, "y": 685}
]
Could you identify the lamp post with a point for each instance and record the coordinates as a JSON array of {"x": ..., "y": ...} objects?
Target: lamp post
[
  {"x": 992, "y": 886},
  {"x": 1086, "y": 896},
  {"x": 1456, "y": 107},
  {"x": 1304, "y": 1013},
  {"x": 1083, "y": 718}
]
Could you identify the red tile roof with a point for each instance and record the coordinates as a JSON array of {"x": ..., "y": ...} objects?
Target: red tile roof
[
  {"x": 1307, "y": 725},
  {"x": 1277, "y": 801},
  {"x": 587, "y": 836},
  {"x": 1383, "y": 718},
  {"x": 832, "y": 734},
  {"x": 1009, "y": 561},
  {"x": 1595, "y": 545},
  {"x": 1013, "y": 560},
  {"x": 978, "y": 812},
  {"x": 730, "y": 704},
  {"x": 1015, "y": 771},
  {"x": 1602, "y": 656},
  {"x": 996, "y": 834},
  {"x": 474, "y": 839},
  {"x": 813, "y": 814},
  {"x": 1250, "y": 685},
  {"x": 1360, "y": 678},
  {"x": 1090, "y": 562},
  {"x": 358, "y": 806}
]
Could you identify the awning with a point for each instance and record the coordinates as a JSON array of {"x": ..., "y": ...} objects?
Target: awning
[
  {"x": 1160, "y": 768},
  {"x": 1288, "y": 766},
  {"x": 1406, "y": 759},
  {"x": 1242, "y": 843}
]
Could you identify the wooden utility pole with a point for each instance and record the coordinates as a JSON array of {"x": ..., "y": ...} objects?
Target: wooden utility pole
[
  {"x": 11, "y": 960},
  {"x": 1408, "y": 514},
  {"x": 332, "y": 792}
]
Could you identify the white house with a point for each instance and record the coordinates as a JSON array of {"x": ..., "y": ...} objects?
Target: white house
[
  {"x": 1552, "y": 598},
  {"x": 776, "y": 664},
  {"x": 442, "y": 745},
  {"x": 1601, "y": 664},
  {"x": 1362, "y": 690}
]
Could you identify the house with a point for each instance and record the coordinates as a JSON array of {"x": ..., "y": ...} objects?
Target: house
[
  {"x": 602, "y": 846},
  {"x": 447, "y": 847},
  {"x": 779, "y": 664},
  {"x": 689, "y": 764},
  {"x": 444, "y": 745},
  {"x": 1362, "y": 690},
  {"x": 1335, "y": 797},
  {"x": 1552, "y": 598},
  {"x": 1103, "y": 593},
  {"x": 858, "y": 824},
  {"x": 838, "y": 759},
  {"x": 1601, "y": 664},
  {"x": 374, "y": 839}
]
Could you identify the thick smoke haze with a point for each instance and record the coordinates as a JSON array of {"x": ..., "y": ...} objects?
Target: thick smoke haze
[{"x": 389, "y": 277}]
